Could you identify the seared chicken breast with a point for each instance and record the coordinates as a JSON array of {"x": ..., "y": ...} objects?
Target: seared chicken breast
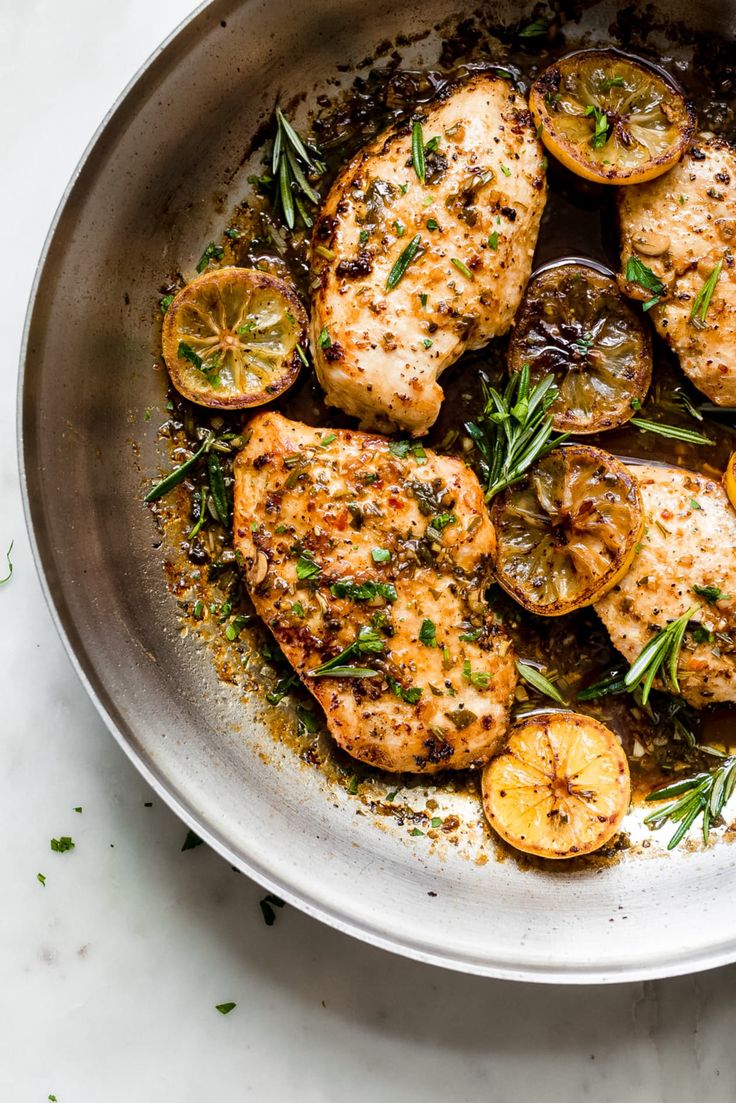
[
  {"x": 689, "y": 542},
  {"x": 372, "y": 557},
  {"x": 682, "y": 225},
  {"x": 381, "y": 335}
]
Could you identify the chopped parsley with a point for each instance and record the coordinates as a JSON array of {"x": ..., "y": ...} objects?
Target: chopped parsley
[
  {"x": 427, "y": 342},
  {"x": 399, "y": 228},
  {"x": 368, "y": 641},
  {"x": 165, "y": 303},
  {"x": 637, "y": 272},
  {"x": 493, "y": 240},
  {"x": 41, "y": 878},
  {"x": 212, "y": 252},
  {"x": 428, "y": 633},
  {"x": 534, "y": 30},
  {"x": 306, "y": 568},
  {"x": 712, "y": 594},
  {"x": 225, "y": 1008},
  {"x": 505, "y": 170},
  {"x": 432, "y": 224},
  {"x": 324, "y": 340},
  {"x": 480, "y": 679},
  {"x": 62, "y": 844},
  {"x": 380, "y": 555},
  {"x": 436, "y": 821},
  {"x": 601, "y": 127},
  {"x": 363, "y": 591},
  {"x": 298, "y": 609}
]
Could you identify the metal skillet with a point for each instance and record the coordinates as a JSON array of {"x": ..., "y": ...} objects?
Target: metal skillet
[{"x": 151, "y": 188}]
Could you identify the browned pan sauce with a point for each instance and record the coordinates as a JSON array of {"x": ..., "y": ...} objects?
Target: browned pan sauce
[{"x": 579, "y": 220}]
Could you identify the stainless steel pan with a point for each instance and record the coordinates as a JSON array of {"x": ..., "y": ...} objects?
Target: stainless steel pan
[{"x": 149, "y": 191}]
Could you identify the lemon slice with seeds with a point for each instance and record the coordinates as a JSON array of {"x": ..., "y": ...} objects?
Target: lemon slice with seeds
[
  {"x": 575, "y": 323},
  {"x": 610, "y": 117},
  {"x": 568, "y": 531},
  {"x": 231, "y": 338},
  {"x": 560, "y": 789}
]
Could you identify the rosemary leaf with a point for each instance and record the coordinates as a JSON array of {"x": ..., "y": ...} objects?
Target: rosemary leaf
[
  {"x": 218, "y": 490},
  {"x": 537, "y": 681},
  {"x": 702, "y": 301},
  {"x": 398, "y": 271},
  {"x": 674, "y": 432},
  {"x": 703, "y": 794},
  {"x": 417, "y": 152},
  {"x": 179, "y": 473}
]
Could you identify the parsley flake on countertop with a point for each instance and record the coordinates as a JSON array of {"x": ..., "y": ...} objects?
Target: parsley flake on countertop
[{"x": 62, "y": 844}]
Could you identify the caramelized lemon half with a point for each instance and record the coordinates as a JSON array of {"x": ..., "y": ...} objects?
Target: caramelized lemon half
[
  {"x": 231, "y": 338},
  {"x": 729, "y": 479},
  {"x": 610, "y": 117},
  {"x": 560, "y": 789},
  {"x": 568, "y": 531},
  {"x": 575, "y": 323}
]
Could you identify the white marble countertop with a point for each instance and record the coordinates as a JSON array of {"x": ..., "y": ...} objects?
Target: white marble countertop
[{"x": 110, "y": 972}]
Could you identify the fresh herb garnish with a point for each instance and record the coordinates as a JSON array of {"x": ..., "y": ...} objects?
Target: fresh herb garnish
[
  {"x": 702, "y": 301},
  {"x": 363, "y": 591},
  {"x": 218, "y": 489},
  {"x": 599, "y": 136},
  {"x": 306, "y": 568},
  {"x": 212, "y": 252},
  {"x": 302, "y": 355},
  {"x": 268, "y": 903},
  {"x": 165, "y": 303},
  {"x": 612, "y": 82},
  {"x": 368, "y": 642},
  {"x": 462, "y": 267},
  {"x": 428, "y": 633},
  {"x": 41, "y": 878},
  {"x": 514, "y": 429},
  {"x": 410, "y": 694},
  {"x": 290, "y": 162},
  {"x": 478, "y": 678},
  {"x": 637, "y": 272},
  {"x": 417, "y": 152},
  {"x": 380, "y": 555},
  {"x": 398, "y": 271},
  {"x": 712, "y": 594},
  {"x": 324, "y": 340},
  {"x": 493, "y": 240},
  {"x": 210, "y": 371},
  {"x": 534, "y": 30},
  {"x": 62, "y": 844},
  {"x": 8, "y": 576},
  {"x": 191, "y": 841},
  {"x": 537, "y": 681},
  {"x": 704, "y": 794},
  {"x": 225, "y": 1008},
  {"x": 674, "y": 432},
  {"x": 659, "y": 657}
]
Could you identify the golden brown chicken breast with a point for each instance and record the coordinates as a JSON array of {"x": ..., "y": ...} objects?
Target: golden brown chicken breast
[
  {"x": 413, "y": 271},
  {"x": 687, "y": 558},
  {"x": 682, "y": 227},
  {"x": 368, "y": 560}
]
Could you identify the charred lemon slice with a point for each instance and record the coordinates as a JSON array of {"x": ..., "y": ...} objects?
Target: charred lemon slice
[
  {"x": 575, "y": 323},
  {"x": 729, "y": 479},
  {"x": 231, "y": 338},
  {"x": 568, "y": 531},
  {"x": 610, "y": 117},
  {"x": 560, "y": 789}
]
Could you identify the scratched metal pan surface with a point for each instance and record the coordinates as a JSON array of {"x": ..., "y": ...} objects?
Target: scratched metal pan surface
[{"x": 152, "y": 187}]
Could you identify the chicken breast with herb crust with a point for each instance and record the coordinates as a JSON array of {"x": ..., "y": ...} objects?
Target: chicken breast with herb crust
[
  {"x": 687, "y": 558},
  {"x": 682, "y": 227},
  {"x": 413, "y": 272},
  {"x": 368, "y": 560}
]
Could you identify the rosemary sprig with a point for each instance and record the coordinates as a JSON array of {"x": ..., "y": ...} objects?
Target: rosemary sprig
[
  {"x": 368, "y": 641},
  {"x": 537, "y": 681},
  {"x": 659, "y": 657},
  {"x": 702, "y": 300},
  {"x": 290, "y": 161},
  {"x": 514, "y": 429},
  {"x": 398, "y": 271},
  {"x": 704, "y": 794},
  {"x": 673, "y": 432}
]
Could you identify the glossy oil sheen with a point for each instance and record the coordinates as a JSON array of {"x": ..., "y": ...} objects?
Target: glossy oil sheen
[{"x": 148, "y": 193}]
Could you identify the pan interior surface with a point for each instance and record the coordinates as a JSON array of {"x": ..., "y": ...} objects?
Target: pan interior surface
[{"x": 158, "y": 182}]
